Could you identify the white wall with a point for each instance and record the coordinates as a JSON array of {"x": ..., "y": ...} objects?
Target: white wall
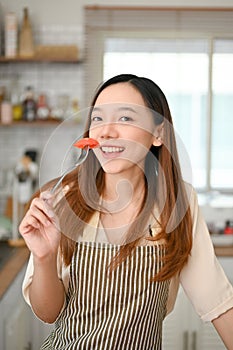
[
  {"x": 70, "y": 12},
  {"x": 47, "y": 12}
]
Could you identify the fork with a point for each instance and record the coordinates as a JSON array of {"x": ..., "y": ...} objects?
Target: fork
[{"x": 80, "y": 160}]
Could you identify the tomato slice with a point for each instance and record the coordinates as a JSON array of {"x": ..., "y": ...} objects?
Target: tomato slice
[{"x": 86, "y": 141}]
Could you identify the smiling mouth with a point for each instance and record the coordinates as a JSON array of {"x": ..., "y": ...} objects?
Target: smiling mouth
[{"x": 111, "y": 149}]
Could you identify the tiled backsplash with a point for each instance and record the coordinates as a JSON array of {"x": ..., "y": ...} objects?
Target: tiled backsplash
[
  {"x": 48, "y": 78},
  {"x": 59, "y": 35},
  {"x": 53, "y": 79}
]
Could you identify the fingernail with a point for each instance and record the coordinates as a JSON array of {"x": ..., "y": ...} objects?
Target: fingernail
[
  {"x": 50, "y": 213},
  {"x": 46, "y": 195}
]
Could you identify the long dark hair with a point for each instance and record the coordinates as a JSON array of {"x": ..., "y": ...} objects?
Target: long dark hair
[{"x": 164, "y": 188}]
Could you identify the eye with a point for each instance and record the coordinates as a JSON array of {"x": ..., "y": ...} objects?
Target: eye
[
  {"x": 96, "y": 118},
  {"x": 126, "y": 119}
]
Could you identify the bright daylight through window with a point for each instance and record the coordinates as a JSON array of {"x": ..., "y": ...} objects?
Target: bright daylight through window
[
  {"x": 222, "y": 112},
  {"x": 201, "y": 110}
]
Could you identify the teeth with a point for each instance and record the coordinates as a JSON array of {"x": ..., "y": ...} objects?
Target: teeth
[{"x": 112, "y": 149}]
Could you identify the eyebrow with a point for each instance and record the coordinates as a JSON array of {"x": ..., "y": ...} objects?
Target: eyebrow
[
  {"x": 120, "y": 109},
  {"x": 129, "y": 109},
  {"x": 96, "y": 109}
]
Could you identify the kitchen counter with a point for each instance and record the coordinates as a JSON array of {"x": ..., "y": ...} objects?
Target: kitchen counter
[
  {"x": 226, "y": 251},
  {"x": 19, "y": 256},
  {"x": 12, "y": 266}
]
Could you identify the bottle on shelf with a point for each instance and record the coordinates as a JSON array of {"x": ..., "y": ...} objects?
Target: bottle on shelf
[
  {"x": 60, "y": 109},
  {"x": 228, "y": 230},
  {"x": 2, "y": 93},
  {"x": 17, "y": 108},
  {"x": 11, "y": 34},
  {"x": 76, "y": 115},
  {"x": 26, "y": 42},
  {"x": 6, "y": 110},
  {"x": 29, "y": 105},
  {"x": 75, "y": 106},
  {"x": 26, "y": 171},
  {"x": 42, "y": 108}
]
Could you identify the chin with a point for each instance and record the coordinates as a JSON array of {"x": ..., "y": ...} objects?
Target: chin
[
  {"x": 112, "y": 169},
  {"x": 118, "y": 167}
]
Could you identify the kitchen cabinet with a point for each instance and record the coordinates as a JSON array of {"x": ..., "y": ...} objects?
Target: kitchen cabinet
[
  {"x": 175, "y": 334},
  {"x": 15, "y": 318},
  {"x": 20, "y": 329},
  {"x": 40, "y": 331},
  {"x": 184, "y": 330}
]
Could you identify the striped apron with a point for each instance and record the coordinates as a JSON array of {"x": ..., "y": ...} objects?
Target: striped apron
[{"x": 119, "y": 310}]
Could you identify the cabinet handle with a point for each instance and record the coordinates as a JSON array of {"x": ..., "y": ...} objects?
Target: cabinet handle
[
  {"x": 185, "y": 340},
  {"x": 194, "y": 340}
]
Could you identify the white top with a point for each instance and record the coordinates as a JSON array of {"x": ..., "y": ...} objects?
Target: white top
[{"x": 202, "y": 278}]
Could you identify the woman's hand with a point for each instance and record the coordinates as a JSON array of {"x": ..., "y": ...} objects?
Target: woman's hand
[
  {"x": 40, "y": 227},
  {"x": 41, "y": 232}
]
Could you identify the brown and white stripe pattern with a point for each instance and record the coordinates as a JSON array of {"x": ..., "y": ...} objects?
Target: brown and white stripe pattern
[{"x": 122, "y": 310}]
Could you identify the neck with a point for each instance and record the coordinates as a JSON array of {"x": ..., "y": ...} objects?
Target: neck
[{"x": 120, "y": 191}]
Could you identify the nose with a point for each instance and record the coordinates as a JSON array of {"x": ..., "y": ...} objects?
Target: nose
[{"x": 108, "y": 131}]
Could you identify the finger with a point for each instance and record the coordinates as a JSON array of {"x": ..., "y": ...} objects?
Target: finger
[
  {"x": 28, "y": 224},
  {"x": 38, "y": 215},
  {"x": 43, "y": 206},
  {"x": 48, "y": 198}
]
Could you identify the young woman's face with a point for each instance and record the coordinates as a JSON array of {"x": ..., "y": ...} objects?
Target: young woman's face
[{"x": 124, "y": 128}]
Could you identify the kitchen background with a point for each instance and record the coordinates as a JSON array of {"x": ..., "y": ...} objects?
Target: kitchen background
[{"x": 68, "y": 86}]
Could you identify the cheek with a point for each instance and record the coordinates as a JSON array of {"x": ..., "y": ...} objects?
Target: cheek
[
  {"x": 137, "y": 153},
  {"x": 144, "y": 138},
  {"x": 93, "y": 132}
]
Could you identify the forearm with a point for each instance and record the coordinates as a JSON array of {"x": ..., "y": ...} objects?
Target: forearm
[
  {"x": 46, "y": 291},
  {"x": 224, "y": 326}
]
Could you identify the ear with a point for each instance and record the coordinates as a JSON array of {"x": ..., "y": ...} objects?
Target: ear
[
  {"x": 158, "y": 138},
  {"x": 157, "y": 141}
]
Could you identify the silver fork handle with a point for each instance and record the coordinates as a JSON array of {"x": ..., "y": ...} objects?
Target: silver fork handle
[
  {"x": 81, "y": 159},
  {"x": 57, "y": 184}
]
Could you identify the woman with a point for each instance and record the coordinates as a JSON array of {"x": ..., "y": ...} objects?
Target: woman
[{"x": 109, "y": 250}]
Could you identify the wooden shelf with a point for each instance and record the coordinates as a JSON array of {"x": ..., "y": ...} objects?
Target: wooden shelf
[
  {"x": 37, "y": 60},
  {"x": 224, "y": 251},
  {"x": 35, "y": 123}
]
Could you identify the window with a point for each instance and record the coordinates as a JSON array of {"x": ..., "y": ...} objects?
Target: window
[
  {"x": 222, "y": 115},
  {"x": 189, "y": 54},
  {"x": 180, "y": 68}
]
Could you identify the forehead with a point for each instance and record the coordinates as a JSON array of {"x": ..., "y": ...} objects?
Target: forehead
[{"x": 120, "y": 93}]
